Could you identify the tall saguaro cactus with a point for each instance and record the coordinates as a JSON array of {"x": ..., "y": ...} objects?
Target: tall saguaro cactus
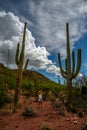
[
  {"x": 71, "y": 70},
  {"x": 19, "y": 59}
]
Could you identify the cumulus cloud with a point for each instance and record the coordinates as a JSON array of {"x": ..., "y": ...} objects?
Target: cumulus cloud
[
  {"x": 11, "y": 31},
  {"x": 47, "y": 20},
  {"x": 50, "y": 17},
  {"x": 53, "y": 69},
  {"x": 80, "y": 75}
]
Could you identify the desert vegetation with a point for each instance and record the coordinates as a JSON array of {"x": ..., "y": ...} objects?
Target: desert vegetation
[{"x": 64, "y": 105}]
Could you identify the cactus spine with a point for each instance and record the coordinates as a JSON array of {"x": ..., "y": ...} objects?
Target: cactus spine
[
  {"x": 19, "y": 59},
  {"x": 71, "y": 71}
]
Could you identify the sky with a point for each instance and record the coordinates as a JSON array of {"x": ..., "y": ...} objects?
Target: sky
[{"x": 45, "y": 34}]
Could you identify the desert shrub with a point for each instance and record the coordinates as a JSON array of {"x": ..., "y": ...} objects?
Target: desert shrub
[
  {"x": 84, "y": 125},
  {"x": 63, "y": 96},
  {"x": 28, "y": 89},
  {"x": 1, "y": 79},
  {"x": 80, "y": 113},
  {"x": 11, "y": 82},
  {"x": 79, "y": 105},
  {"x": 3, "y": 95},
  {"x": 62, "y": 111},
  {"x": 51, "y": 96},
  {"x": 55, "y": 104},
  {"x": 9, "y": 79},
  {"x": 59, "y": 106},
  {"x": 29, "y": 112},
  {"x": 80, "y": 102},
  {"x": 26, "y": 85},
  {"x": 72, "y": 109},
  {"x": 84, "y": 90},
  {"x": 9, "y": 98},
  {"x": 26, "y": 93},
  {"x": 46, "y": 91},
  {"x": 56, "y": 91},
  {"x": 76, "y": 92}
]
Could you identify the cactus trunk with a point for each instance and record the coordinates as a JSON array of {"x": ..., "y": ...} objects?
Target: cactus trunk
[
  {"x": 18, "y": 85},
  {"x": 69, "y": 91},
  {"x": 68, "y": 65}
]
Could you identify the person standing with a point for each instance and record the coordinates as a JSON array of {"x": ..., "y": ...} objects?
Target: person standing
[{"x": 40, "y": 98}]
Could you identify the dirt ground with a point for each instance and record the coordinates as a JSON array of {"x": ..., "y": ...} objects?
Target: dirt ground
[{"x": 45, "y": 116}]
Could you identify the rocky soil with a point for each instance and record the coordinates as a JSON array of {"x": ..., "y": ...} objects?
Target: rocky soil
[{"x": 46, "y": 115}]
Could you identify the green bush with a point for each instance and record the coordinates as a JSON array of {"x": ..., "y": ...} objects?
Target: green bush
[
  {"x": 3, "y": 95},
  {"x": 80, "y": 114},
  {"x": 72, "y": 109},
  {"x": 29, "y": 112},
  {"x": 11, "y": 83},
  {"x": 80, "y": 102}
]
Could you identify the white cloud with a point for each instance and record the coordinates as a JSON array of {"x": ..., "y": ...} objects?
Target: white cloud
[
  {"x": 80, "y": 75},
  {"x": 50, "y": 17},
  {"x": 47, "y": 20},
  {"x": 11, "y": 31},
  {"x": 53, "y": 69}
]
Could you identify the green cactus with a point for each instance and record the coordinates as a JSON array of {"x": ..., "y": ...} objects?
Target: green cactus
[
  {"x": 19, "y": 59},
  {"x": 71, "y": 71}
]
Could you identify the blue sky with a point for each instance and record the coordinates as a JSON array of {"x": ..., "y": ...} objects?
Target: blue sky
[{"x": 46, "y": 34}]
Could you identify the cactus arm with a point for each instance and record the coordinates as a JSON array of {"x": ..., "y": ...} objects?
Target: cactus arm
[
  {"x": 26, "y": 64},
  {"x": 78, "y": 64},
  {"x": 68, "y": 49},
  {"x": 59, "y": 59},
  {"x": 66, "y": 64},
  {"x": 73, "y": 62},
  {"x": 17, "y": 54},
  {"x": 64, "y": 75},
  {"x": 23, "y": 43}
]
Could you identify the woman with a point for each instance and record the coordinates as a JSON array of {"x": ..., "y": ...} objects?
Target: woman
[{"x": 40, "y": 97}]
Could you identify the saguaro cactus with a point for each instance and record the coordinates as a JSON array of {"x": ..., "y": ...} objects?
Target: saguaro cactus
[
  {"x": 19, "y": 59},
  {"x": 71, "y": 71}
]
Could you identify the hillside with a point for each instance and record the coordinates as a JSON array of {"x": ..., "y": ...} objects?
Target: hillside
[
  {"x": 29, "y": 77},
  {"x": 29, "y": 115}
]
